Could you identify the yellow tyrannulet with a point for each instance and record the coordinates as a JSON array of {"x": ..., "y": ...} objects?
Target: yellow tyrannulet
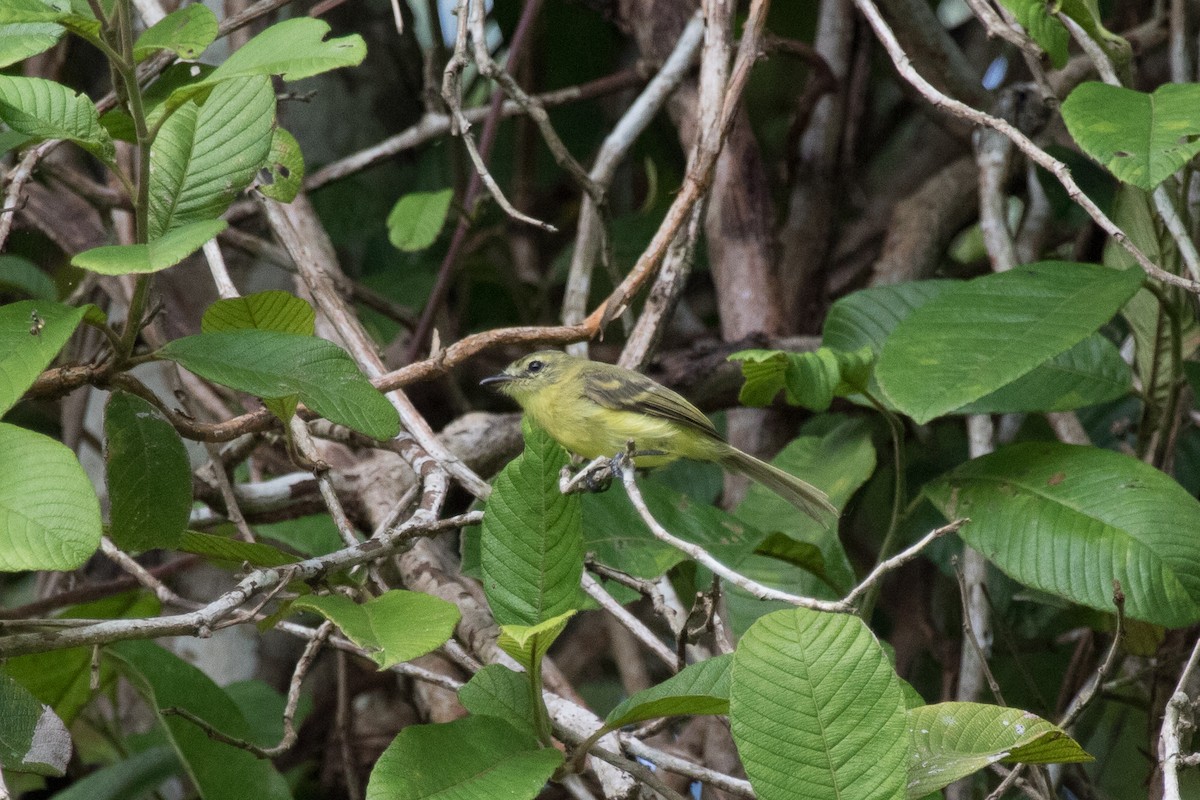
[{"x": 594, "y": 409}]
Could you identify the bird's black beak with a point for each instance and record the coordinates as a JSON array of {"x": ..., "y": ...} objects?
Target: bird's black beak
[{"x": 503, "y": 377}]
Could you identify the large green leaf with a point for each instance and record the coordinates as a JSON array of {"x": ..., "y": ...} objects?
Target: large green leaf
[
  {"x": 32, "y": 737},
  {"x": 49, "y": 514},
  {"x": 44, "y": 109},
  {"x": 220, "y": 771},
  {"x": 149, "y": 475},
  {"x": 1141, "y": 138},
  {"x": 273, "y": 364},
  {"x": 12, "y": 11},
  {"x": 395, "y": 627},
  {"x": 838, "y": 462},
  {"x": 980, "y": 335},
  {"x": 417, "y": 218},
  {"x": 21, "y": 40},
  {"x": 952, "y": 740},
  {"x": 469, "y": 759},
  {"x": 1090, "y": 373},
  {"x": 532, "y": 536},
  {"x": 497, "y": 691},
  {"x": 701, "y": 688},
  {"x": 186, "y": 32},
  {"x": 814, "y": 703},
  {"x": 269, "y": 311},
  {"x": 62, "y": 679},
  {"x": 165, "y": 251},
  {"x": 205, "y": 155},
  {"x": 1069, "y": 520},
  {"x": 27, "y": 348}
]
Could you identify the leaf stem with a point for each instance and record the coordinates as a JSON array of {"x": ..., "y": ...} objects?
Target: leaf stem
[{"x": 900, "y": 492}]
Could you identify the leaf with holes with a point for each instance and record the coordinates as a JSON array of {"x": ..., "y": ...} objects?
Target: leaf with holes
[
  {"x": 186, "y": 31},
  {"x": 282, "y": 177},
  {"x": 1141, "y": 138}
]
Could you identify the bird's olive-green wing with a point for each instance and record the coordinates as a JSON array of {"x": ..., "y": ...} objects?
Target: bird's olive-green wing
[{"x": 628, "y": 391}]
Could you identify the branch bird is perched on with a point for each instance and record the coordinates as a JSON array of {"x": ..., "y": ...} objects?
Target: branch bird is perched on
[{"x": 593, "y": 409}]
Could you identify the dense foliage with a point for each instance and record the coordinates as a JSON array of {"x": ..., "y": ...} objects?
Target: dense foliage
[{"x": 938, "y": 258}]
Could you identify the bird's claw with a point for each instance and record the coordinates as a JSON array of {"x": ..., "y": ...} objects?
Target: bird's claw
[{"x": 595, "y": 477}]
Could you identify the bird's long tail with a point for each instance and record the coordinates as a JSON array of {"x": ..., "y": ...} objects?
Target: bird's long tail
[{"x": 801, "y": 494}]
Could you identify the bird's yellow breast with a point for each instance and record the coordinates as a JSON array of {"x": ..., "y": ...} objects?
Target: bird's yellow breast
[{"x": 588, "y": 429}]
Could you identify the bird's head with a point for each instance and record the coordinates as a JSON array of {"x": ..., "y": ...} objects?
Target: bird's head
[{"x": 528, "y": 376}]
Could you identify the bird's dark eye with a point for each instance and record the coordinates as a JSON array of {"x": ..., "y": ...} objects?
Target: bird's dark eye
[{"x": 534, "y": 366}]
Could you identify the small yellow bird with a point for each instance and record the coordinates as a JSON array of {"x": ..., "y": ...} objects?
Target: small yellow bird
[{"x": 593, "y": 409}]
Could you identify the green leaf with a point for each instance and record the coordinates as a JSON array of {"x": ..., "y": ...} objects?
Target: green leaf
[
  {"x": 24, "y": 353},
  {"x": 283, "y": 176},
  {"x": 839, "y": 462},
  {"x": 701, "y": 688},
  {"x": 417, "y": 218},
  {"x": 812, "y": 380},
  {"x": 220, "y": 771},
  {"x": 293, "y": 49},
  {"x": 1069, "y": 520},
  {"x": 21, "y": 40},
  {"x": 395, "y": 627},
  {"x": 1090, "y": 373},
  {"x": 528, "y": 643},
  {"x": 532, "y": 536},
  {"x": 980, "y": 335},
  {"x": 1044, "y": 28},
  {"x": 468, "y": 759},
  {"x": 222, "y": 548},
  {"x": 47, "y": 110},
  {"x": 149, "y": 475},
  {"x": 21, "y": 275},
  {"x": 1150, "y": 323},
  {"x": 953, "y": 740},
  {"x": 814, "y": 703},
  {"x": 268, "y": 311},
  {"x": 205, "y": 155},
  {"x": 12, "y": 11},
  {"x": 63, "y": 678},
  {"x": 49, "y": 514},
  {"x": 135, "y": 776},
  {"x": 32, "y": 738},
  {"x": 187, "y": 32},
  {"x": 272, "y": 364},
  {"x": 497, "y": 691},
  {"x": 166, "y": 251},
  {"x": 1140, "y": 138}
]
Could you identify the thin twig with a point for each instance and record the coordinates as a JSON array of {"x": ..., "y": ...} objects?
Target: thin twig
[{"x": 632, "y": 623}]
